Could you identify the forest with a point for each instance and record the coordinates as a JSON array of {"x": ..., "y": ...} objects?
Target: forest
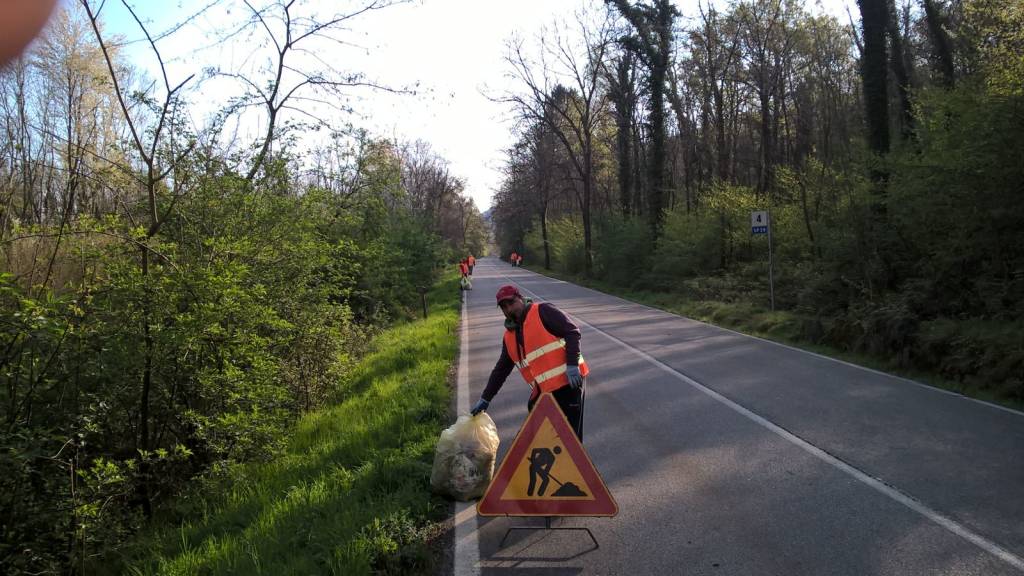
[
  {"x": 884, "y": 145},
  {"x": 194, "y": 308},
  {"x": 173, "y": 296}
]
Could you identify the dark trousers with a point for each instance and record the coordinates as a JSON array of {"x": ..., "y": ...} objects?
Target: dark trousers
[{"x": 571, "y": 402}]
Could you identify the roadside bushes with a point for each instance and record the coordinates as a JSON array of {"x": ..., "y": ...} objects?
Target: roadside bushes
[
  {"x": 120, "y": 384},
  {"x": 987, "y": 355},
  {"x": 565, "y": 240},
  {"x": 622, "y": 250},
  {"x": 348, "y": 494}
]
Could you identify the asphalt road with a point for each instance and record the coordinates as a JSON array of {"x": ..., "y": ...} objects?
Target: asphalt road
[{"x": 732, "y": 455}]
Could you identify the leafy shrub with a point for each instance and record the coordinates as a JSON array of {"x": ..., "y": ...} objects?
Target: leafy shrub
[{"x": 622, "y": 246}]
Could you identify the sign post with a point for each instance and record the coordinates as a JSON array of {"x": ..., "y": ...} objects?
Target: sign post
[{"x": 760, "y": 223}]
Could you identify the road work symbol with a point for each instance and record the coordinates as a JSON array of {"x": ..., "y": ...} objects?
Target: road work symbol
[
  {"x": 541, "y": 461},
  {"x": 546, "y": 472}
]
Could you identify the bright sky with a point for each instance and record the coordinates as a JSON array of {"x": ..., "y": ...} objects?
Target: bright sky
[{"x": 453, "y": 49}]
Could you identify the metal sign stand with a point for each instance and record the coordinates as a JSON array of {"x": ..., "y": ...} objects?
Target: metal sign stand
[
  {"x": 509, "y": 495},
  {"x": 771, "y": 264},
  {"x": 547, "y": 526}
]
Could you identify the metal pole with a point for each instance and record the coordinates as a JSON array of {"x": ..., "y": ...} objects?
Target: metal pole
[
  {"x": 771, "y": 265},
  {"x": 423, "y": 295}
]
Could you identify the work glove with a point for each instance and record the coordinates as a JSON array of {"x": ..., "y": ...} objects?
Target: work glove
[
  {"x": 575, "y": 378},
  {"x": 479, "y": 407}
]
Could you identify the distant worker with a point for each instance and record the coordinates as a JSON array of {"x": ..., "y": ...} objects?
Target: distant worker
[
  {"x": 472, "y": 262},
  {"x": 519, "y": 260},
  {"x": 463, "y": 268},
  {"x": 512, "y": 258},
  {"x": 545, "y": 344}
]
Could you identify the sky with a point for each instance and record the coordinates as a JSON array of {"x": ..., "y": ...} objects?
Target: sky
[{"x": 451, "y": 52}]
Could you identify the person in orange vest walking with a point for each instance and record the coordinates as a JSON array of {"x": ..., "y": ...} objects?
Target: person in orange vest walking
[
  {"x": 512, "y": 258},
  {"x": 471, "y": 262},
  {"x": 545, "y": 345},
  {"x": 463, "y": 268},
  {"x": 519, "y": 260}
]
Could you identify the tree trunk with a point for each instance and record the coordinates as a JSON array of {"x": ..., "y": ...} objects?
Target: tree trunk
[
  {"x": 656, "y": 166},
  {"x": 544, "y": 236},
  {"x": 807, "y": 216},
  {"x": 147, "y": 384},
  {"x": 588, "y": 176},
  {"x": 624, "y": 132},
  {"x": 764, "y": 159},
  {"x": 721, "y": 149},
  {"x": 874, "y": 73},
  {"x": 940, "y": 42},
  {"x": 899, "y": 69}
]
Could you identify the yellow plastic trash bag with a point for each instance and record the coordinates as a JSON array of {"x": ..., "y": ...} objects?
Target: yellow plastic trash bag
[{"x": 464, "y": 457}]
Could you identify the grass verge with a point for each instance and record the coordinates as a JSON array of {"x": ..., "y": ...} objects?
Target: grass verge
[
  {"x": 783, "y": 327},
  {"x": 350, "y": 494}
]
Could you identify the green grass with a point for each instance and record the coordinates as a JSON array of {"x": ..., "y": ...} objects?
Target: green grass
[
  {"x": 351, "y": 493},
  {"x": 784, "y": 327}
]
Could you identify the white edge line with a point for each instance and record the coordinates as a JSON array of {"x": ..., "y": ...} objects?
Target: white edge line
[
  {"x": 875, "y": 483},
  {"x": 466, "y": 559},
  {"x": 795, "y": 349}
]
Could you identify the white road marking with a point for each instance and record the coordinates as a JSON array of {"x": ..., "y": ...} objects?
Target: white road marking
[
  {"x": 822, "y": 356},
  {"x": 467, "y": 547},
  {"x": 875, "y": 483}
]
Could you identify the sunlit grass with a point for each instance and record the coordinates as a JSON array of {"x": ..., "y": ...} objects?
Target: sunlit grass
[{"x": 350, "y": 494}]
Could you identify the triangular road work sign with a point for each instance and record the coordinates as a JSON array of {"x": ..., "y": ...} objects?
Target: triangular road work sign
[{"x": 546, "y": 472}]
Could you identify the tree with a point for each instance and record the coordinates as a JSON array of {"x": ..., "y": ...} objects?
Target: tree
[
  {"x": 768, "y": 36},
  {"x": 874, "y": 69},
  {"x": 290, "y": 88},
  {"x": 622, "y": 94},
  {"x": 901, "y": 71},
  {"x": 161, "y": 158},
  {"x": 572, "y": 113},
  {"x": 652, "y": 41},
  {"x": 942, "y": 48},
  {"x": 715, "y": 51}
]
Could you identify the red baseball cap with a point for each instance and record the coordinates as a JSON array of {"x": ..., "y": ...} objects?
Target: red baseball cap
[{"x": 506, "y": 292}]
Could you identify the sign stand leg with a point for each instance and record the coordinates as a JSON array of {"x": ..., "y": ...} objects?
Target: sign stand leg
[{"x": 548, "y": 526}]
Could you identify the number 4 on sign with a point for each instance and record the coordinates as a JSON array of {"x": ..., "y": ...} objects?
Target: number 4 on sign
[{"x": 759, "y": 222}]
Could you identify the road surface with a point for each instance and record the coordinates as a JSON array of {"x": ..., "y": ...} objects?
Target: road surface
[{"x": 731, "y": 455}]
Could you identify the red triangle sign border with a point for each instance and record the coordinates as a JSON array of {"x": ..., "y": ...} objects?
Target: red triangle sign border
[{"x": 492, "y": 504}]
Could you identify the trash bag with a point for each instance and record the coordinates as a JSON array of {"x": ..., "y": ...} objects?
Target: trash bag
[
  {"x": 464, "y": 457},
  {"x": 466, "y": 284}
]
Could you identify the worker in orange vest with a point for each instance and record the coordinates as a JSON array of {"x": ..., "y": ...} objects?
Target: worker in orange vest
[
  {"x": 472, "y": 262},
  {"x": 463, "y": 268},
  {"x": 519, "y": 260},
  {"x": 545, "y": 345},
  {"x": 512, "y": 258}
]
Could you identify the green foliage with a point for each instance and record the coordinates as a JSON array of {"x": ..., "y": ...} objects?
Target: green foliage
[
  {"x": 350, "y": 493},
  {"x": 691, "y": 245},
  {"x": 955, "y": 203},
  {"x": 565, "y": 238},
  {"x": 991, "y": 44},
  {"x": 623, "y": 246},
  {"x": 250, "y": 309}
]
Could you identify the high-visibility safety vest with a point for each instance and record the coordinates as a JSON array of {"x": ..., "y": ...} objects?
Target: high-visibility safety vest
[{"x": 542, "y": 359}]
